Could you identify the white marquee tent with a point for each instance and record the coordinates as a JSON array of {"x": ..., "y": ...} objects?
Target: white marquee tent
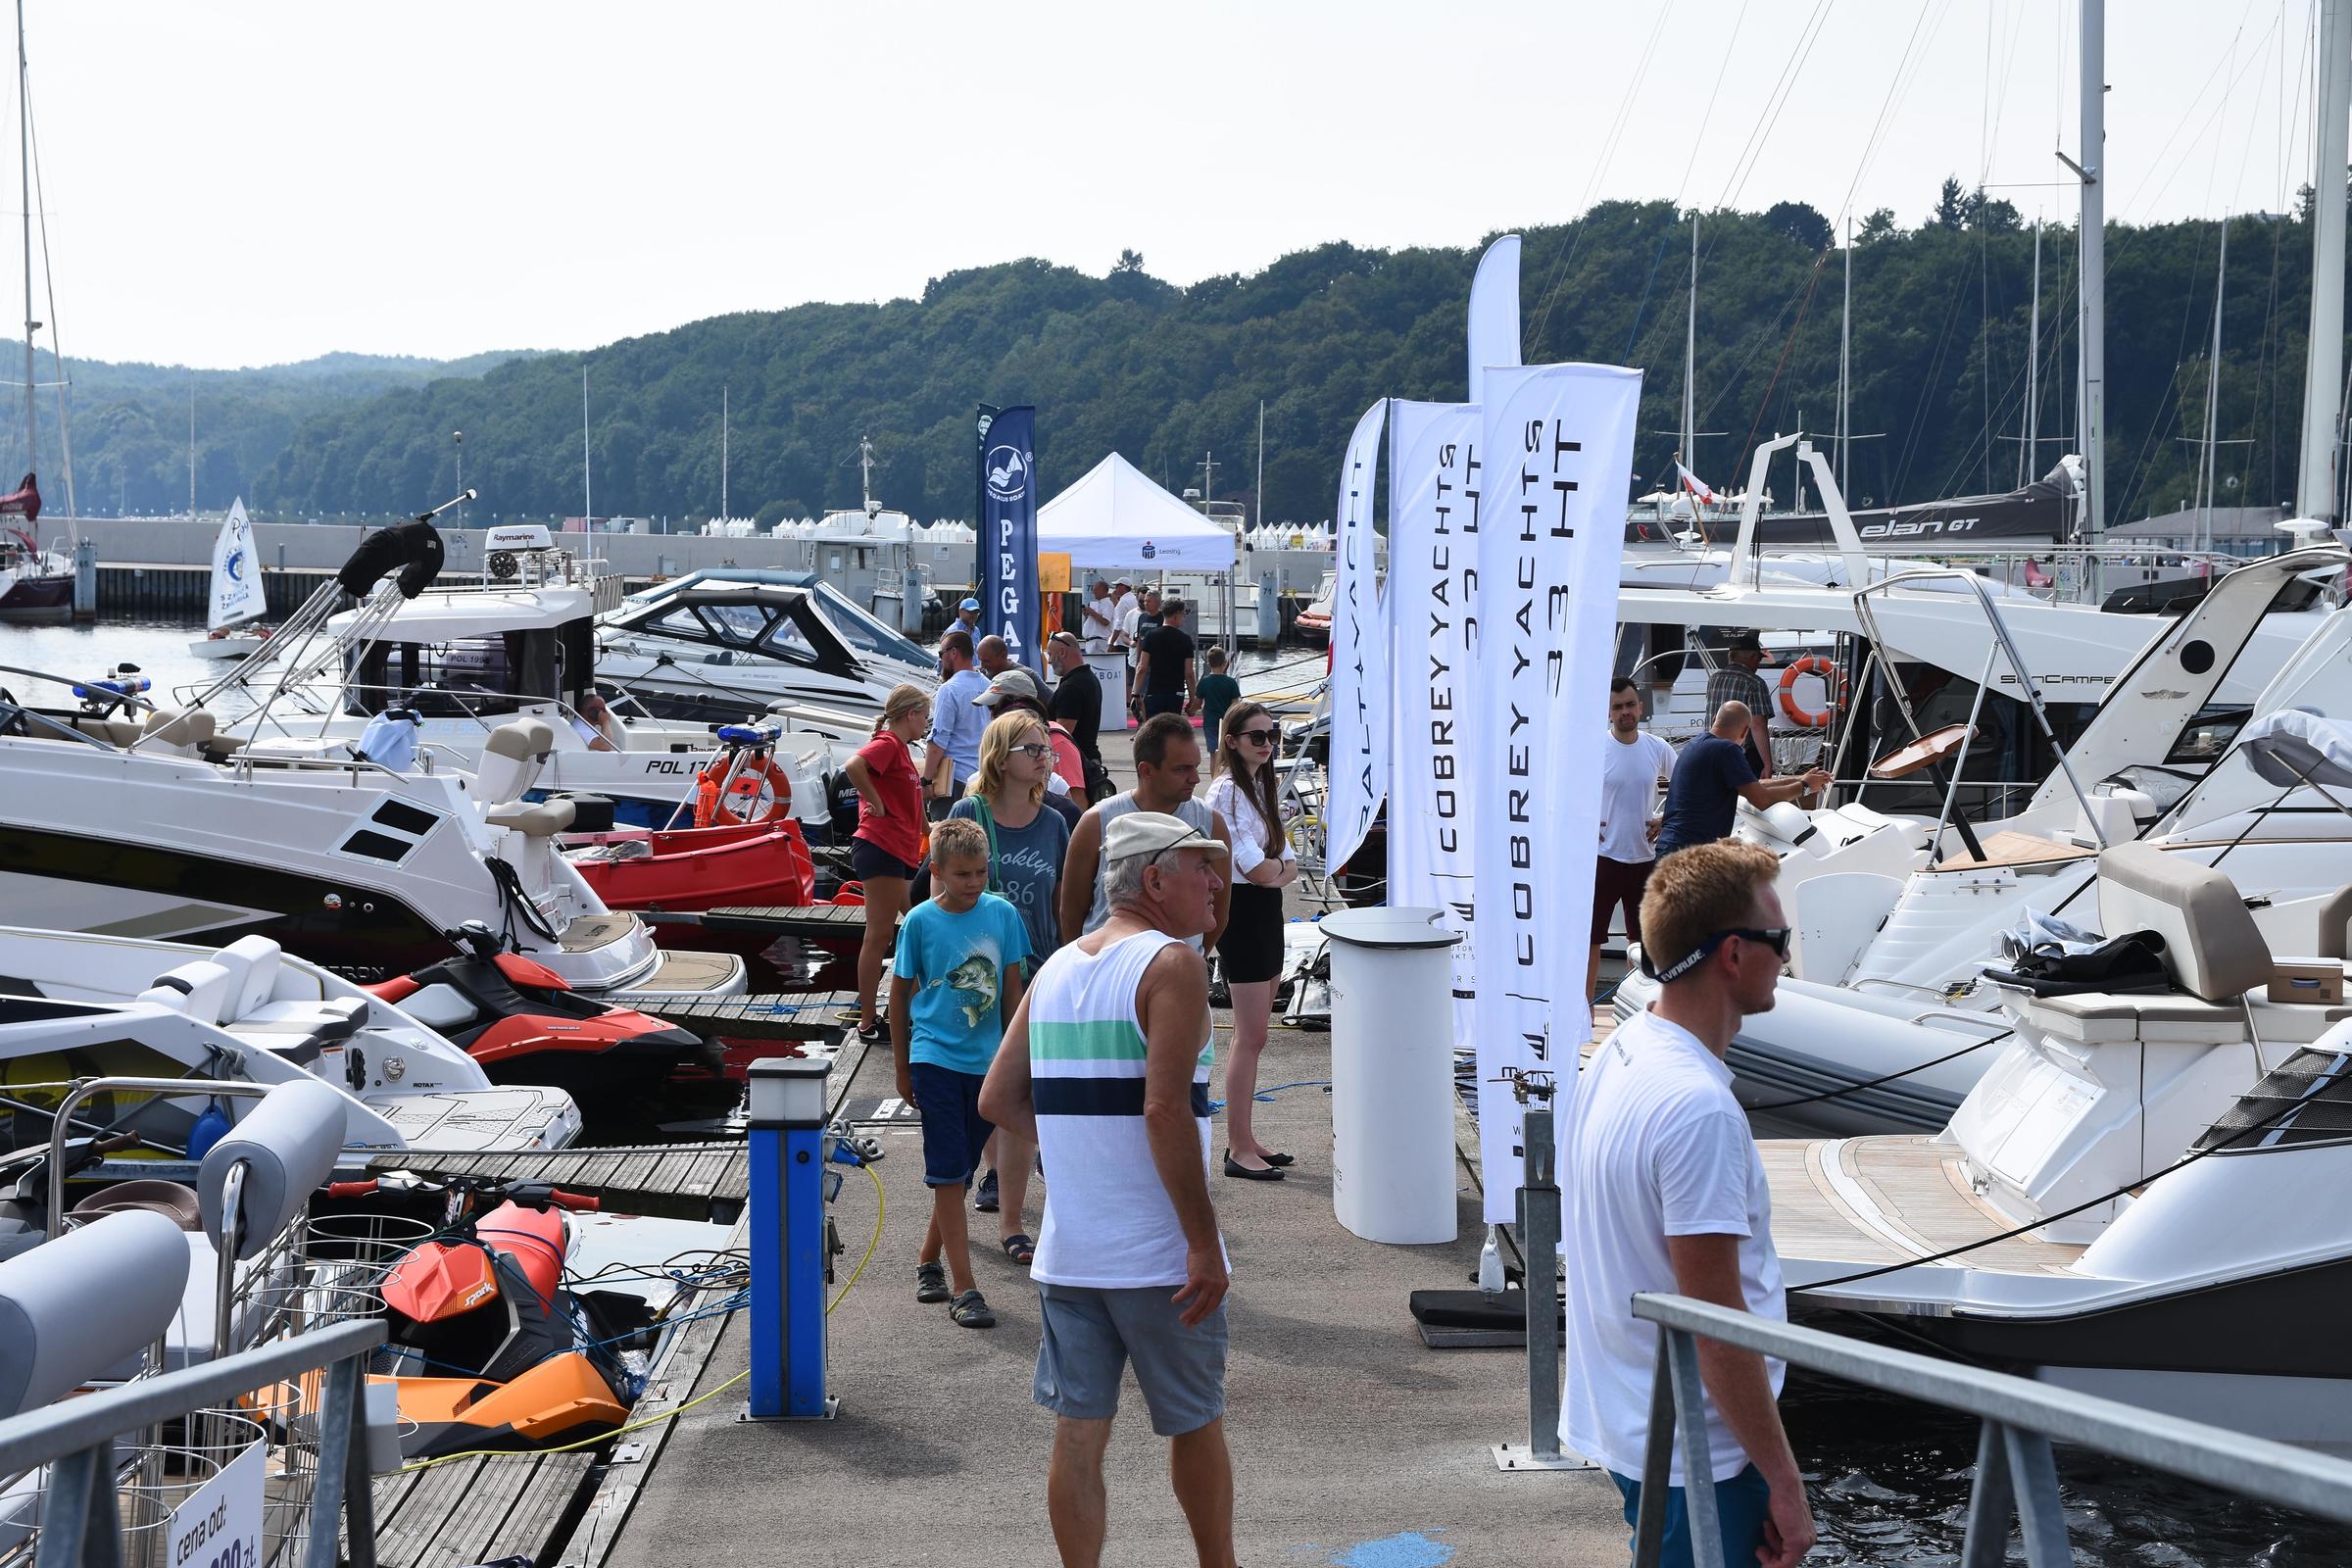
[{"x": 1117, "y": 517}]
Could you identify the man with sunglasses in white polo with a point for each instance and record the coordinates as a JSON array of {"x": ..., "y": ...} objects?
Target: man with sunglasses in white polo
[{"x": 1663, "y": 1191}]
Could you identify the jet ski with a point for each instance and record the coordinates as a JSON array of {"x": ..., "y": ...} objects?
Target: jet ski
[
  {"x": 492, "y": 1342},
  {"x": 523, "y": 1024}
]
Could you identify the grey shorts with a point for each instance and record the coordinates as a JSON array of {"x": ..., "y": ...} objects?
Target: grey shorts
[{"x": 1089, "y": 1336}]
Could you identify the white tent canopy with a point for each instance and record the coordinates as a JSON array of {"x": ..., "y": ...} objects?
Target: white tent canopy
[{"x": 1117, "y": 517}]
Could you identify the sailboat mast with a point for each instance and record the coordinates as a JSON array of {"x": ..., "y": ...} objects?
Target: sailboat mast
[
  {"x": 1845, "y": 352},
  {"x": 2092, "y": 171},
  {"x": 2026, "y": 461},
  {"x": 2208, "y": 469},
  {"x": 724, "y": 513},
  {"x": 587, "y": 478},
  {"x": 25, "y": 206},
  {"x": 2323, "y": 369},
  {"x": 191, "y": 443},
  {"x": 1691, "y": 359}
]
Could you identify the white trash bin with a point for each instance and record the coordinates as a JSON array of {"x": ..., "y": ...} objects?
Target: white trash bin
[
  {"x": 1392, "y": 1075},
  {"x": 1110, "y": 669}
]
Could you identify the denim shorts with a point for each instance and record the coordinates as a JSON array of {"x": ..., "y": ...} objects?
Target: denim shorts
[
  {"x": 1088, "y": 1337},
  {"x": 869, "y": 859},
  {"x": 954, "y": 1129},
  {"x": 1741, "y": 1505}
]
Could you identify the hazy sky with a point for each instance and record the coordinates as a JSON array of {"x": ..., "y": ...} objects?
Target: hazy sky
[{"x": 238, "y": 183}]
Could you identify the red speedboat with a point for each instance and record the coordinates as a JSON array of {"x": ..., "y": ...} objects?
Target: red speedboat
[{"x": 696, "y": 869}]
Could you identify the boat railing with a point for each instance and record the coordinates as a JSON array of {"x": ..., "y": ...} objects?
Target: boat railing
[
  {"x": 2015, "y": 1472},
  {"x": 77, "y": 1440}
]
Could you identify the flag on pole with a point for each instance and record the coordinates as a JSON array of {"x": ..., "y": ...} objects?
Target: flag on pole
[
  {"x": 1695, "y": 484},
  {"x": 1008, "y": 595},
  {"x": 1359, "y": 656}
]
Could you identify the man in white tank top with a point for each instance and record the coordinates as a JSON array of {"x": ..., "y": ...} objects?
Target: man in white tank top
[{"x": 1105, "y": 1064}]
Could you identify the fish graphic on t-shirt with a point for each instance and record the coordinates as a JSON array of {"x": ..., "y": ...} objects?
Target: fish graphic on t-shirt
[{"x": 975, "y": 977}]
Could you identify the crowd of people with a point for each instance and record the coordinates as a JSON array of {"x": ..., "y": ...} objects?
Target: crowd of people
[{"x": 1049, "y": 1018}]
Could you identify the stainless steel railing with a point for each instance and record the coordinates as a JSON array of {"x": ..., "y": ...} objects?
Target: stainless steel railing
[{"x": 2015, "y": 1472}]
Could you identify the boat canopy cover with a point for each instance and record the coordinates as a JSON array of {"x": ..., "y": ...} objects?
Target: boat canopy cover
[
  {"x": 2296, "y": 745},
  {"x": 1117, "y": 516},
  {"x": 454, "y": 613},
  {"x": 412, "y": 549}
]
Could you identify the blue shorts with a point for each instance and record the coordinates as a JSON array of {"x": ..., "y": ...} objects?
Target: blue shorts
[
  {"x": 952, "y": 1127},
  {"x": 1741, "y": 1505},
  {"x": 1088, "y": 1337}
]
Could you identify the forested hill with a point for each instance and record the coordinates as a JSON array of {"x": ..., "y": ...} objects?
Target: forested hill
[
  {"x": 1163, "y": 374},
  {"x": 131, "y": 423}
]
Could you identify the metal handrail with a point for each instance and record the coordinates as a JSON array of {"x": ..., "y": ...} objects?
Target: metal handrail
[
  {"x": 2020, "y": 1418},
  {"x": 61, "y": 1120},
  {"x": 77, "y": 1438}
]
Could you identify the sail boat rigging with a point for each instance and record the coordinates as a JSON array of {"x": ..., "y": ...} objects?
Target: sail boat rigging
[{"x": 35, "y": 585}]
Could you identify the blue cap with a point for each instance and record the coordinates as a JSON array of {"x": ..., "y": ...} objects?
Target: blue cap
[{"x": 970, "y": 604}]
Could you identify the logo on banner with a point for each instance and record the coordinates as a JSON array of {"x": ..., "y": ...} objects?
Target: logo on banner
[
  {"x": 1007, "y": 474},
  {"x": 1150, "y": 549},
  {"x": 236, "y": 565}
]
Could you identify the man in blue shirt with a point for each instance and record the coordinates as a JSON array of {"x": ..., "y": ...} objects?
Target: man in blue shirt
[
  {"x": 955, "y": 725},
  {"x": 1712, "y": 776}
]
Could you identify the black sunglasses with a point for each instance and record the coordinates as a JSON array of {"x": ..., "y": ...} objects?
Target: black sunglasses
[
  {"x": 1263, "y": 737},
  {"x": 1775, "y": 938}
]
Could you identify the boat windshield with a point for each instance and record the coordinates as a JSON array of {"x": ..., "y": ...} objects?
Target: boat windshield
[{"x": 862, "y": 631}]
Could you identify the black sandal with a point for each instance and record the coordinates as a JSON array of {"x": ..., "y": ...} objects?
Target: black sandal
[
  {"x": 931, "y": 1283},
  {"x": 971, "y": 1310},
  {"x": 1022, "y": 1249}
]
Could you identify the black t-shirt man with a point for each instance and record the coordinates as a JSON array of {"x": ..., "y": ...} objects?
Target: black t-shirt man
[
  {"x": 1078, "y": 703},
  {"x": 1170, "y": 651},
  {"x": 1702, "y": 797}
]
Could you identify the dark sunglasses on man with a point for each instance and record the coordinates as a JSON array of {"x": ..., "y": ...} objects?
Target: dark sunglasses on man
[{"x": 1776, "y": 938}]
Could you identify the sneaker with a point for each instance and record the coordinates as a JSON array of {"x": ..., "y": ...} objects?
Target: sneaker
[
  {"x": 984, "y": 1197},
  {"x": 931, "y": 1284}
]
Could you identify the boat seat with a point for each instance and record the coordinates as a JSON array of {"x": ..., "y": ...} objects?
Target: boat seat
[
  {"x": 2335, "y": 925},
  {"x": 299, "y": 1031},
  {"x": 201, "y": 989},
  {"x": 184, "y": 732},
  {"x": 512, "y": 757},
  {"x": 2211, "y": 944},
  {"x": 252, "y": 966},
  {"x": 544, "y": 821},
  {"x": 113, "y": 732}
]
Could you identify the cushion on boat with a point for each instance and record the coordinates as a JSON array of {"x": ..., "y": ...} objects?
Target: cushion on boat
[
  {"x": 542, "y": 820},
  {"x": 252, "y": 966},
  {"x": 2210, "y": 942},
  {"x": 185, "y": 730},
  {"x": 2335, "y": 925},
  {"x": 201, "y": 989},
  {"x": 511, "y": 758}
]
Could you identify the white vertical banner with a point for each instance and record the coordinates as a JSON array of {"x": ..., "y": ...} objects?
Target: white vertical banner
[
  {"x": 1493, "y": 312},
  {"x": 1359, "y": 676},
  {"x": 1434, "y": 494},
  {"x": 1558, "y": 451}
]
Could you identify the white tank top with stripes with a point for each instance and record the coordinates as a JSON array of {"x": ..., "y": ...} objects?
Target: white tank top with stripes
[{"x": 1109, "y": 1222}]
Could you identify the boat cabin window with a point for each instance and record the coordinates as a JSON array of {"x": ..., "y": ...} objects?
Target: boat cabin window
[
  {"x": 737, "y": 624},
  {"x": 2206, "y": 736},
  {"x": 482, "y": 676},
  {"x": 680, "y": 622},
  {"x": 786, "y": 640}
]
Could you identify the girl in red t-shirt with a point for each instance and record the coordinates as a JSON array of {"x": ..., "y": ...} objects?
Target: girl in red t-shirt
[{"x": 888, "y": 845}]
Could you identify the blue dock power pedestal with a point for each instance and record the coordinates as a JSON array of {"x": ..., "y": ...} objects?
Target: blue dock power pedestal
[{"x": 788, "y": 1238}]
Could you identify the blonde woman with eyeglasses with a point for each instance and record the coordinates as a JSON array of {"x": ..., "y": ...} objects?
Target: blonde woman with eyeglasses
[{"x": 1026, "y": 844}]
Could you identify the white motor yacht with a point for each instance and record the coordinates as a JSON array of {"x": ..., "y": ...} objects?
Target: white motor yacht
[
  {"x": 714, "y": 646},
  {"x": 1883, "y": 1023},
  {"x": 77, "y": 1005},
  {"x": 2142, "y": 1198},
  {"x": 128, "y": 820}
]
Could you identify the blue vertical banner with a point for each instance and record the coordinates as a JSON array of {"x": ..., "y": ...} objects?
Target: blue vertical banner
[{"x": 1009, "y": 597}]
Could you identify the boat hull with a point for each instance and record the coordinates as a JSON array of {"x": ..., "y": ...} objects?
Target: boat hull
[
  {"x": 37, "y": 599},
  {"x": 700, "y": 868}
]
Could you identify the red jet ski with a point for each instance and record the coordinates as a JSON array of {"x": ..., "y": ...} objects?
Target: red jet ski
[{"x": 525, "y": 1025}]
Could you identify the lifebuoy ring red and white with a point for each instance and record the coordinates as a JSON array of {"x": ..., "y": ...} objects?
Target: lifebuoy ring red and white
[
  {"x": 721, "y": 799},
  {"x": 1830, "y": 676}
]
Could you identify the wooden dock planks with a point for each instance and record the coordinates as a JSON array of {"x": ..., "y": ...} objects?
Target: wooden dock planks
[
  {"x": 674, "y": 1181},
  {"x": 782, "y": 1016},
  {"x": 480, "y": 1509}
]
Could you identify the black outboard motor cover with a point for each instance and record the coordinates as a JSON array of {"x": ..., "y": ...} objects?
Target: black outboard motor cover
[{"x": 414, "y": 549}]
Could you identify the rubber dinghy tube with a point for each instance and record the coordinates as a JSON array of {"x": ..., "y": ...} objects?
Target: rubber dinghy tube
[{"x": 412, "y": 549}]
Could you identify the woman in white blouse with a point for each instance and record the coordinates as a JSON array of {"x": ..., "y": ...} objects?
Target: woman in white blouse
[{"x": 1245, "y": 793}]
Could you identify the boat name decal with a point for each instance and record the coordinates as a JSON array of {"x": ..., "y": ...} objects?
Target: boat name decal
[{"x": 1904, "y": 531}]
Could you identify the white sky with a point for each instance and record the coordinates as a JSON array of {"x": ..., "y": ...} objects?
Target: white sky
[{"x": 244, "y": 183}]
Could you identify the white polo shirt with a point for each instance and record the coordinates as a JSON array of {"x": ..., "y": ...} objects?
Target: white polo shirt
[{"x": 1653, "y": 1145}]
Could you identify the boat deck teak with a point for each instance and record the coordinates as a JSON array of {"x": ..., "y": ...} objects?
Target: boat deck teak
[{"x": 1891, "y": 1199}]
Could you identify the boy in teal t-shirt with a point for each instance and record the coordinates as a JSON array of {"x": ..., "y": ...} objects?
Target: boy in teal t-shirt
[
  {"x": 1217, "y": 692},
  {"x": 956, "y": 979}
]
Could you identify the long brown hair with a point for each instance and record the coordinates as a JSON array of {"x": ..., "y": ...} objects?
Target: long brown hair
[{"x": 1259, "y": 786}]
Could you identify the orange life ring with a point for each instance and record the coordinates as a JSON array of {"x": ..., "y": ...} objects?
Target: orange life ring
[
  {"x": 736, "y": 800},
  {"x": 1830, "y": 676}
]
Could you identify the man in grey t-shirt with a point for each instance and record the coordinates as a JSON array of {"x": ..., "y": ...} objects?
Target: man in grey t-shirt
[{"x": 1167, "y": 769}]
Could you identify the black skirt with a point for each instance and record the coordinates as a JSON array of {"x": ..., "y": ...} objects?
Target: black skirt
[{"x": 1250, "y": 949}]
